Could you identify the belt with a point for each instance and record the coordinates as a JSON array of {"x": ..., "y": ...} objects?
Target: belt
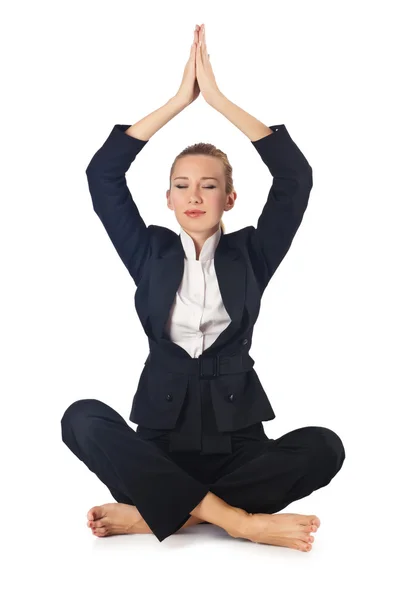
[{"x": 205, "y": 367}]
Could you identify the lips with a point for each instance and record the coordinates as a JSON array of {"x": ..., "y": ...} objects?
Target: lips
[{"x": 194, "y": 212}]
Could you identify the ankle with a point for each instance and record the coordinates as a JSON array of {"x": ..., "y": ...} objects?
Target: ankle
[
  {"x": 213, "y": 509},
  {"x": 239, "y": 525}
]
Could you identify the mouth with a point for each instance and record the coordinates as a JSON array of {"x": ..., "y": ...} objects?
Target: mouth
[{"x": 194, "y": 213}]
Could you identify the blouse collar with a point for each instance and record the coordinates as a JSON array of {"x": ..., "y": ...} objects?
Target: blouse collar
[{"x": 208, "y": 249}]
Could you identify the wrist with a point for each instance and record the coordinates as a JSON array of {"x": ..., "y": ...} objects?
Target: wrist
[
  {"x": 178, "y": 102},
  {"x": 215, "y": 98}
]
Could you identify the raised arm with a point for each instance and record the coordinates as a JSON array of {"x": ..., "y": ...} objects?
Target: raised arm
[
  {"x": 111, "y": 198},
  {"x": 289, "y": 194},
  {"x": 287, "y": 199}
]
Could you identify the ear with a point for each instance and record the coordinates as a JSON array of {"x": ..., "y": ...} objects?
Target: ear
[
  {"x": 169, "y": 201},
  {"x": 231, "y": 199}
]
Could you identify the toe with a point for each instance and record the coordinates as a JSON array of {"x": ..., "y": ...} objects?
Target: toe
[
  {"x": 302, "y": 545},
  {"x": 99, "y": 531},
  {"x": 93, "y": 513}
]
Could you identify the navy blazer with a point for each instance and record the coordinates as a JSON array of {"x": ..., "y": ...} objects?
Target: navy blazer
[{"x": 244, "y": 260}]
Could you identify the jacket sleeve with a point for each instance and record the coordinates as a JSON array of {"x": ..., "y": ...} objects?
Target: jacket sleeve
[
  {"x": 286, "y": 202},
  {"x": 112, "y": 200}
]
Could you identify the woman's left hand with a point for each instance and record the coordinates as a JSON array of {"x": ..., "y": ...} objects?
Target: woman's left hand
[{"x": 204, "y": 73}]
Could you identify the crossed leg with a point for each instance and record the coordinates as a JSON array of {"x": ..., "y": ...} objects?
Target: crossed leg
[{"x": 290, "y": 468}]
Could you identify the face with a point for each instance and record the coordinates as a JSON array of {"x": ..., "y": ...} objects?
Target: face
[{"x": 198, "y": 182}]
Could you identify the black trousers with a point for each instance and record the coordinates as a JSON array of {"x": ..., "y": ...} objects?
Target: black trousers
[{"x": 261, "y": 475}]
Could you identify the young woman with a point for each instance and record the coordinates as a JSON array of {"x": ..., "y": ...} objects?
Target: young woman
[{"x": 200, "y": 453}]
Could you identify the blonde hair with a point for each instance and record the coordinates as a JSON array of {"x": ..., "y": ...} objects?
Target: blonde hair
[{"x": 209, "y": 150}]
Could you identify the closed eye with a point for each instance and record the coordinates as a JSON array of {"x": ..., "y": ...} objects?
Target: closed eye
[{"x": 208, "y": 187}]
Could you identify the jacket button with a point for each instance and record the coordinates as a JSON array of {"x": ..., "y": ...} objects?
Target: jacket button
[
  {"x": 230, "y": 397},
  {"x": 245, "y": 341},
  {"x": 169, "y": 397}
]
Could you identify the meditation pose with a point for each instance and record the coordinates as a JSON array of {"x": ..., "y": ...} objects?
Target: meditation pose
[{"x": 200, "y": 453}]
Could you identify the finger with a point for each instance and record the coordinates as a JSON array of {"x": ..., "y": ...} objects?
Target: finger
[
  {"x": 200, "y": 33},
  {"x": 202, "y": 51},
  {"x": 204, "y": 44}
]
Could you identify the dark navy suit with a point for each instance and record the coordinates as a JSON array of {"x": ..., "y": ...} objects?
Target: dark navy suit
[{"x": 199, "y": 418}]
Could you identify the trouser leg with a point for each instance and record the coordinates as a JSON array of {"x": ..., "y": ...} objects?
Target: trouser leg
[
  {"x": 131, "y": 468},
  {"x": 281, "y": 471}
]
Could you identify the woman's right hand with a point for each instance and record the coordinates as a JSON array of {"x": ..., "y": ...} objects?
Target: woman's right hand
[{"x": 189, "y": 89}]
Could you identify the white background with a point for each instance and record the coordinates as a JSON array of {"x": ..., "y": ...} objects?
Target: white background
[{"x": 324, "y": 343}]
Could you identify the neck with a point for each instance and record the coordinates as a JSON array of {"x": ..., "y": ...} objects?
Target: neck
[{"x": 199, "y": 237}]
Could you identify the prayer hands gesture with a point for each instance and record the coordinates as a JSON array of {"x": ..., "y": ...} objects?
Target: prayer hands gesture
[{"x": 198, "y": 75}]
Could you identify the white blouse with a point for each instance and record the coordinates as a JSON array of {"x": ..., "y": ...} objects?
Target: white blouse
[{"x": 197, "y": 316}]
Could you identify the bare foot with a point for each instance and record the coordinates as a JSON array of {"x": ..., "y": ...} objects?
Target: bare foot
[
  {"x": 117, "y": 518},
  {"x": 285, "y": 529}
]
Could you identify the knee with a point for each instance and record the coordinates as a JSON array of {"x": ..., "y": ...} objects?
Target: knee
[
  {"x": 77, "y": 415},
  {"x": 329, "y": 447},
  {"x": 78, "y": 409}
]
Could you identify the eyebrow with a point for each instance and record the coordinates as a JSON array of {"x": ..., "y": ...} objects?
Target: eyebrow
[{"x": 200, "y": 178}]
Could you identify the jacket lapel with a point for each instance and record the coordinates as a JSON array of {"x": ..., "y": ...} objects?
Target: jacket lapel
[{"x": 166, "y": 276}]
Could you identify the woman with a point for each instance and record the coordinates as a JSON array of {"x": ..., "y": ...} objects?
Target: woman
[{"x": 200, "y": 453}]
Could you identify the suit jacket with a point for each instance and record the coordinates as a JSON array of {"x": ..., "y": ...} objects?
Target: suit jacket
[{"x": 200, "y": 401}]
